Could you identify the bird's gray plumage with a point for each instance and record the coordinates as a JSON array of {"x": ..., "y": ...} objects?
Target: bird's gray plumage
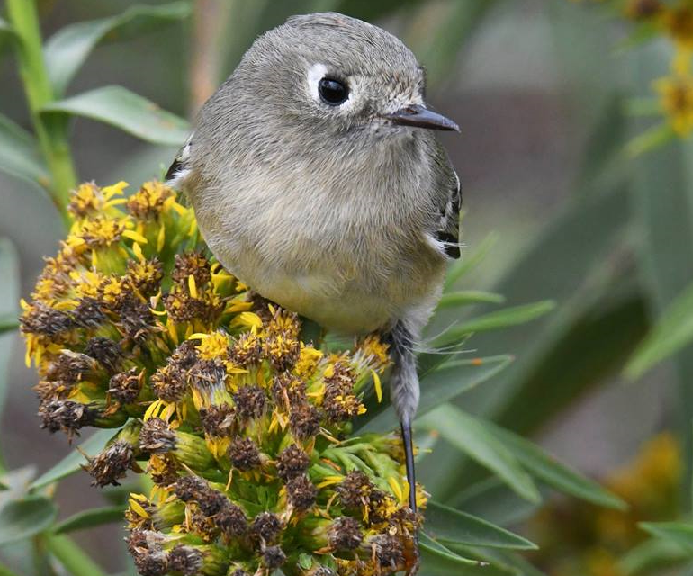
[{"x": 344, "y": 213}]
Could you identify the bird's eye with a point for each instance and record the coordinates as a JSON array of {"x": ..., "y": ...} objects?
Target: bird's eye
[{"x": 332, "y": 92}]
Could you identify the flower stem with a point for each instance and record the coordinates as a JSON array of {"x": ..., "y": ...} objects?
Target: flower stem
[
  {"x": 5, "y": 571},
  {"x": 52, "y": 135},
  {"x": 71, "y": 556}
]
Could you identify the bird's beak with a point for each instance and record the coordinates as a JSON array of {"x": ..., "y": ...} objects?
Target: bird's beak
[{"x": 421, "y": 117}]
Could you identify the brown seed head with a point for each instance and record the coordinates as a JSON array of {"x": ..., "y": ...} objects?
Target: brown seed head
[
  {"x": 231, "y": 520},
  {"x": 292, "y": 462},
  {"x": 217, "y": 420},
  {"x": 273, "y": 557},
  {"x": 345, "y": 534},
  {"x": 250, "y": 402},
  {"x": 305, "y": 421},
  {"x": 112, "y": 464},
  {"x": 244, "y": 454},
  {"x": 266, "y": 528},
  {"x": 125, "y": 387},
  {"x": 355, "y": 490},
  {"x": 157, "y": 437},
  {"x": 185, "y": 559},
  {"x": 301, "y": 493},
  {"x": 106, "y": 351}
]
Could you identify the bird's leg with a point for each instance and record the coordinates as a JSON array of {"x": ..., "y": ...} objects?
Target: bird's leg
[
  {"x": 405, "y": 427},
  {"x": 404, "y": 385}
]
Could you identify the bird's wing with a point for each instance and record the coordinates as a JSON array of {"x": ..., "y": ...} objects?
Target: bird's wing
[
  {"x": 179, "y": 170},
  {"x": 449, "y": 200}
]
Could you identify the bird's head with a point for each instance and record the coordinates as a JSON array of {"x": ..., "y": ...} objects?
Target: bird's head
[{"x": 335, "y": 75}]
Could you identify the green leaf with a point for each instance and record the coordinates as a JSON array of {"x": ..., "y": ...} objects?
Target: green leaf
[
  {"x": 3, "y": 486},
  {"x": 466, "y": 297},
  {"x": 470, "y": 261},
  {"x": 25, "y": 518},
  {"x": 89, "y": 519},
  {"x": 663, "y": 181},
  {"x": 673, "y": 331},
  {"x": 492, "y": 500},
  {"x": 553, "y": 473},
  {"x": 437, "y": 387},
  {"x": 651, "y": 556},
  {"x": 19, "y": 154},
  {"x": 9, "y": 296},
  {"x": 450, "y": 525},
  {"x": 505, "y": 318},
  {"x": 651, "y": 139},
  {"x": 127, "y": 111},
  {"x": 600, "y": 317},
  {"x": 67, "y": 49},
  {"x": 305, "y": 561},
  {"x": 679, "y": 533},
  {"x": 468, "y": 435},
  {"x": 8, "y": 322},
  {"x": 436, "y": 548},
  {"x": 73, "y": 461}
]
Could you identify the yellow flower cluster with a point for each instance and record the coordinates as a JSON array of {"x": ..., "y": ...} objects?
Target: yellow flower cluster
[
  {"x": 674, "y": 21},
  {"x": 584, "y": 540},
  {"x": 241, "y": 425}
]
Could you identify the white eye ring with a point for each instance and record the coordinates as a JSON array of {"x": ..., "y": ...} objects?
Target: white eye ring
[{"x": 315, "y": 74}]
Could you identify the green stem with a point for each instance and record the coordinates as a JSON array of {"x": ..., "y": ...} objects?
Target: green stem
[
  {"x": 52, "y": 136},
  {"x": 5, "y": 571},
  {"x": 72, "y": 557}
]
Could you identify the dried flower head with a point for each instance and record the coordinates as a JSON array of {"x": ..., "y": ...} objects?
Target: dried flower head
[{"x": 241, "y": 426}]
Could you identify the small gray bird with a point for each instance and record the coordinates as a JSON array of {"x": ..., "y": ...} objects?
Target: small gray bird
[{"x": 317, "y": 180}]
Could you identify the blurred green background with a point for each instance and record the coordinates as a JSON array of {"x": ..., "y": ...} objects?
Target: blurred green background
[{"x": 548, "y": 96}]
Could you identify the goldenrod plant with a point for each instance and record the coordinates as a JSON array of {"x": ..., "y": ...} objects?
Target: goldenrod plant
[{"x": 233, "y": 438}]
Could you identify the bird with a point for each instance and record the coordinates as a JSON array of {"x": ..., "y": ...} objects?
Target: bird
[{"x": 317, "y": 179}]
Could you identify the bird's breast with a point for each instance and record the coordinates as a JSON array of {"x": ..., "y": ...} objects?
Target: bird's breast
[{"x": 347, "y": 258}]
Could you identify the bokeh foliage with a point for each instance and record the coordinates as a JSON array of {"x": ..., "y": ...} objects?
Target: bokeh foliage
[{"x": 614, "y": 264}]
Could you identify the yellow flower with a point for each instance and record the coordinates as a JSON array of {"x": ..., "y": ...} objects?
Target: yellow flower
[
  {"x": 643, "y": 9},
  {"x": 678, "y": 23},
  {"x": 242, "y": 428},
  {"x": 676, "y": 98},
  {"x": 213, "y": 346}
]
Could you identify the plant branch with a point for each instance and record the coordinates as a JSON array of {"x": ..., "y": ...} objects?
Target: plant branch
[
  {"x": 72, "y": 557},
  {"x": 52, "y": 136}
]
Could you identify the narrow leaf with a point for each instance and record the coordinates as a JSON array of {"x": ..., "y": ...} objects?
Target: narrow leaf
[
  {"x": 651, "y": 555},
  {"x": 90, "y": 519},
  {"x": 73, "y": 461},
  {"x": 496, "y": 320},
  {"x": 467, "y": 435},
  {"x": 492, "y": 500},
  {"x": 450, "y": 525},
  {"x": 25, "y": 518},
  {"x": 553, "y": 473},
  {"x": 67, "y": 49},
  {"x": 435, "y": 564},
  {"x": 436, "y": 548},
  {"x": 437, "y": 387},
  {"x": 127, "y": 111},
  {"x": 679, "y": 533},
  {"x": 673, "y": 331},
  {"x": 19, "y": 155},
  {"x": 9, "y": 296},
  {"x": 8, "y": 322},
  {"x": 464, "y": 298},
  {"x": 470, "y": 261}
]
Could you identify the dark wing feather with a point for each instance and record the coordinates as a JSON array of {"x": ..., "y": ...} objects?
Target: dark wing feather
[
  {"x": 449, "y": 199},
  {"x": 179, "y": 169}
]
